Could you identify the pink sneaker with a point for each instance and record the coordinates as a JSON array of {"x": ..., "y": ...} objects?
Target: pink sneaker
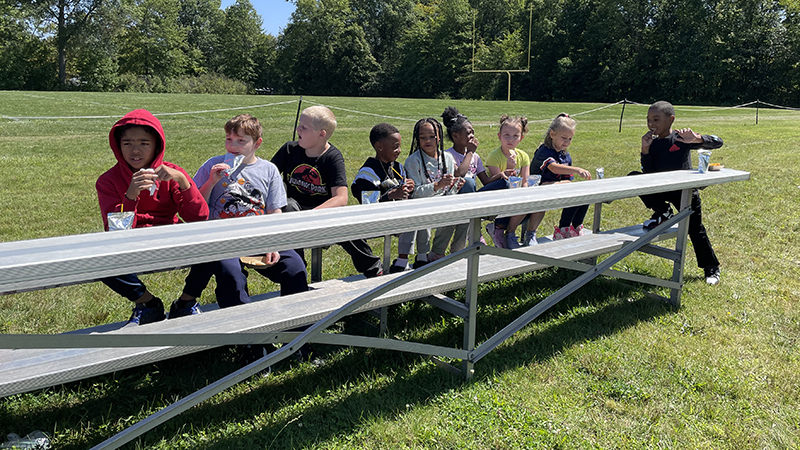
[
  {"x": 558, "y": 234},
  {"x": 576, "y": 231}
]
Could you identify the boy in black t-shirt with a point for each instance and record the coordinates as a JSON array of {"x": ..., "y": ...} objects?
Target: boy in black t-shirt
[
  {"x": 314, "y": 173},
  {"x": 665, "y": 149}
]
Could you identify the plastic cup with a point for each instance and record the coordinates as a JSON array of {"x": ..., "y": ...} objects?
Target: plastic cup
[
  {"x": 703, "y": 157},
  {"x": 533, "y": 180},
  {"x": 514, "y": 182},
  {"x": 370, "y": 197},
  {"x": 601, "y": 173}
]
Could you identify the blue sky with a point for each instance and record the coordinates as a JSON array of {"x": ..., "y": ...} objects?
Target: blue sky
[{"x": 274, "y": 13}]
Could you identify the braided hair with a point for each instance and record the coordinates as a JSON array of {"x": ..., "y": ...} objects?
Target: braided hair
[
  {"x": 415, "y": 147},
  {"x": 454, "y": 121}
]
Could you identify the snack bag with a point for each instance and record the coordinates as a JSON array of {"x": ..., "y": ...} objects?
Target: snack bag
[{"x": 120, "y": 220}]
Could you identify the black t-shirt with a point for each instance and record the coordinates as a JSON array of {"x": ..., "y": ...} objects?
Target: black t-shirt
[{"x": 309, "y": 180}]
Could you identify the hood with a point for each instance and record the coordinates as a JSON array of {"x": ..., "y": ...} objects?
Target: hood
[{"x": 144, "y": 118}]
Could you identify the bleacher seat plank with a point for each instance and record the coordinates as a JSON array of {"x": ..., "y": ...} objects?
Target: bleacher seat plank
[{"x": 29, "y": 369}]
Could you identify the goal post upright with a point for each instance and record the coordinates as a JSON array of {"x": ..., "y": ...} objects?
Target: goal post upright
[{"x": 507, "y": 71}]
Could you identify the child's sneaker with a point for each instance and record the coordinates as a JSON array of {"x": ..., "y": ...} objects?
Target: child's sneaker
[
  {"x": 175, "y": 310},
  {"x": 499, "y": 237},
  {"x": 530, "y": 239},
  {"x": 397, "y": 268},
  {"x": 657, "y": 219},
  {"x": 143, "y": 315},
  {"x": 712, "y": 276},
  {"x": 511, "y": 241},
  {"x": 560, "y": 233},
  {"x": 575, "y": 232}
]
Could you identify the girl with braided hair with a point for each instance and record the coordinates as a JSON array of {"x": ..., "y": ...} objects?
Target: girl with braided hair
[{"x": 432, "y": 170}]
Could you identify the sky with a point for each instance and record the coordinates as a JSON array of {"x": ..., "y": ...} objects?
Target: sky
[{"x": 274, "y": 13}]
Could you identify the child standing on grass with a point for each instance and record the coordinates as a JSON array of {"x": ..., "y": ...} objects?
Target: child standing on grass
[
  {"x": 507, "y": 161},
  {"x": 553, "y": 162},
  {"x": 665, "y": 149},
  {"x": 384, "y": 174},
  {"x": 314, "y": 172},
  {"x": 138, "y": 143},
  {"x": 252, "y": 188},
  {"x": 432, "y": 170}
]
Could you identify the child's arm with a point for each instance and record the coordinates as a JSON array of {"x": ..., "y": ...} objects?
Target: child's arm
[
  {"x": 338, "y": 198},
  {"x": 563, "y": 169},
  {"x": 709, "y": 141},
  {"x": 463, "y": 168},
  {"x": 192, "y": 207}
]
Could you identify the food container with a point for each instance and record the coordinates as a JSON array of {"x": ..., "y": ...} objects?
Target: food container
[
  {"x": 514, "y": 182},
  {"x": 703, "y": 157}
]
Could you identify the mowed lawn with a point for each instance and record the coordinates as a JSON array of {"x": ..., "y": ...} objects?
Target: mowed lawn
[{"x": 609, "y": 367}]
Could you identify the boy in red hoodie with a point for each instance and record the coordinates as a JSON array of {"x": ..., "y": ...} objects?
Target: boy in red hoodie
[{"x": 138, "y": 144}]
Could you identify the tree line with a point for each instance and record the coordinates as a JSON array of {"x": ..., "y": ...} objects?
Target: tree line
[{"x": 687, "y": 51}]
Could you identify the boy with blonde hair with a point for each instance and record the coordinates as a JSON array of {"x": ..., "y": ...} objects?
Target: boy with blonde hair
[{"x": 314, "y": 173}]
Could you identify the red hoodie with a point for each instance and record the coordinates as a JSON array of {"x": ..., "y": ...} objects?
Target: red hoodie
[{"x": 168, "y": 201}]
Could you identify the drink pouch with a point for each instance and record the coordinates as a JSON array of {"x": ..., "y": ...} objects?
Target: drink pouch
[
  {"x": 514, "y": 182},
  {"x": 370, "y": 197},
  {"x": 233, "y": 161},
  {"x": 703, "y": 156},
  {"x": 533, "y": 180},
  {"x": 120, "y": 220}
]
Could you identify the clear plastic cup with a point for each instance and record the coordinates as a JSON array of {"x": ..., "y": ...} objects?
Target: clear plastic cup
[
  {"x": 514, "y": 182},
  {"x": 533, "y": 180},
  {"x": 601, "y": 173}
]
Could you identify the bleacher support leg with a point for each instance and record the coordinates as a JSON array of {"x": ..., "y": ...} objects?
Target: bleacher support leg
[
  {"x": 680, "y": 247},
  {"x": 471, "y": 299},
  {"x": 316, "y": 264}
]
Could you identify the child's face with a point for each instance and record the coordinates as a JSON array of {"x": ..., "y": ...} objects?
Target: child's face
[
  {"x": 138, "y": 147},
  {"x": 307, "y": 136},
  {"x": 243, "y": 144},
  {"x": 562, "y": 138},
  {"x": 428, "y": 139},
  {"x": 659, "y": 123},
  {"x": 462, "y": 138},
  {"x": 388, "y": 149},
  {"x": 510, "y": 136}
]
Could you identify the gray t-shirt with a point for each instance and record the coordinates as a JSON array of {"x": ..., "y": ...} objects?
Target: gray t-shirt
[{"x": 257, "y": 189}]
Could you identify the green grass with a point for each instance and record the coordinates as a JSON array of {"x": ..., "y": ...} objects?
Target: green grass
[{"x": 608, "y": 367}]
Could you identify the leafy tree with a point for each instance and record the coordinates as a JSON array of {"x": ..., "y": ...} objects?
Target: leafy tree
[
  {"x": 154, "y": 43},
  {"x": 324, "y": 51},
  {"x": 239, "y": 35},
  {"x": 201, "y": 19}
]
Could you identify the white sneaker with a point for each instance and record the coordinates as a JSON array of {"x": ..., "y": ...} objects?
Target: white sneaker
[
  {"x": 712, "y": 276},
  {"x": 530, "y": 239}
]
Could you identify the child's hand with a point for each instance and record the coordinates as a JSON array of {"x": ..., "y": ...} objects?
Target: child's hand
[
  {"x": 271, "y": 258},
  {"x": 218, "y": 171},
  {"x": 165, "y": 173},
  {"x": 445, "y": 182},
  {"x": 460, "y": 183},
  {"x": 398, "y": 193},
  {"x": 140, "y": 181},
  {"x": 472, "y": 145},
  {"x": 409, "y": 185},
  {"x": 509, "y": 173},
  {"x": 585, "y": 174},
  {"x": 688, "y": 136},
  {"x": 647, "y": 139}
]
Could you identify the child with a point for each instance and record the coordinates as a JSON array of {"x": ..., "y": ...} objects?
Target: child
[
  {"x": 503, "y": 162},
  {"x": 665, "y": 149},
  {"x": 253, "y": 187},
  {"x": 464, "y": 150},
  {"x": 384, "y": 174},
  {"x": 314, "y": 173},
  {"x": 432, "y": 169},
  {"x": 138, "y": 143},
  {"x": 553, "y": 162}
]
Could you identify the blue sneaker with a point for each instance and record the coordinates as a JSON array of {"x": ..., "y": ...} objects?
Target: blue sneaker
[
  {"x": 142, "y": 315},
  {"x": 175, "y": 312}
]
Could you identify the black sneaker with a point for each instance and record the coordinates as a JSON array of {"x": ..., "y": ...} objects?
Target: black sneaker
[
  {"x": 143, "y": 315},
  {"x": 372, "y": 273},
  {"x": 657, "y": 219},
  {"x": 395, "y": 268},
  {"x": 418, "y": 264},
  {"x": 249, "y": 354},
  {"x": 192, "y": 310}
]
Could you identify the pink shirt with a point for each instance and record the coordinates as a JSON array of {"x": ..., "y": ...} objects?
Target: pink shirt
[{"x": 475, "y": 166}]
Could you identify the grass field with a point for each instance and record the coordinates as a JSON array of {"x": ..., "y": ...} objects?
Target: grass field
[{"x": 609, "y": 367}]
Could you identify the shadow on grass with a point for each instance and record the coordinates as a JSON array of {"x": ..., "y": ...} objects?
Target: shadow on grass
[{"x": 336, "y": 398}]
